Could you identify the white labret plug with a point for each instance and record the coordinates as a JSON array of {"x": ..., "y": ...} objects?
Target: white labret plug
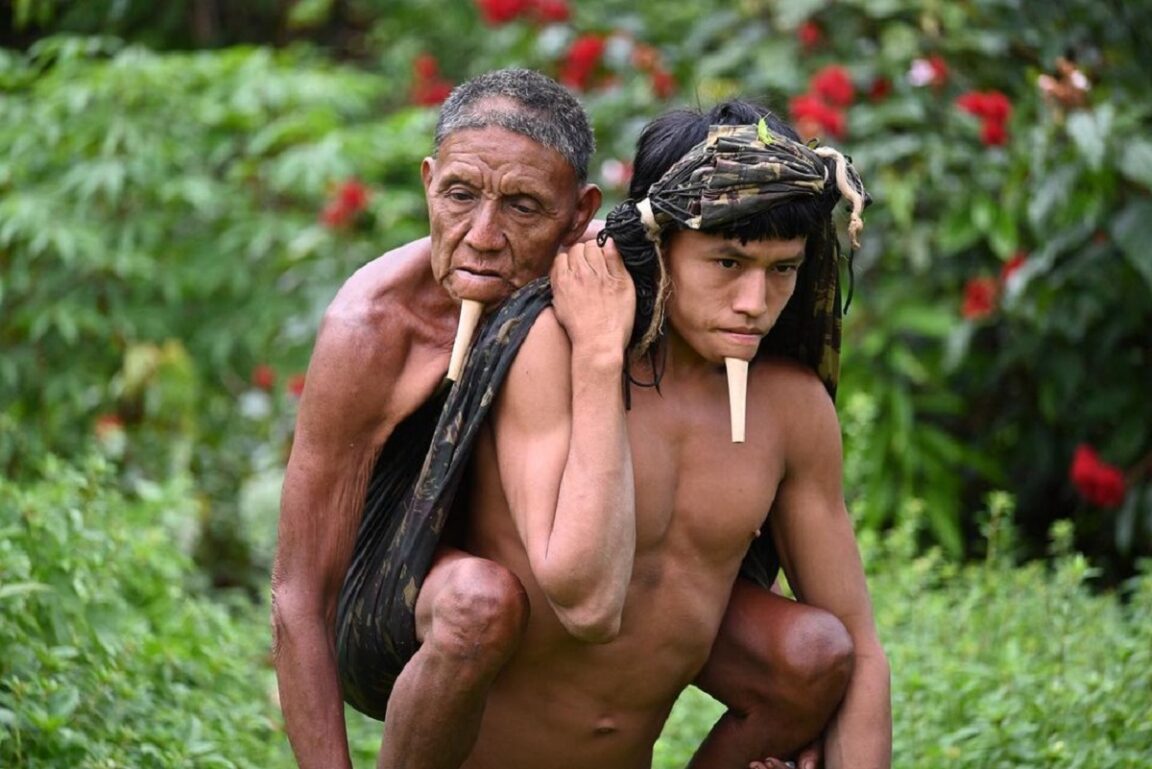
[
  {"x": 470, "y": 311},
  {"x": 737, "y": 395}
]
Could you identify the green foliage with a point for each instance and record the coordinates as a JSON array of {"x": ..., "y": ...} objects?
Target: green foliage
[
  {"x": 112, "y": 658},
  {"x": 160, "y": 233},
  {"x": 164, "y": 208},
  {"x": 995, "y": 664}
]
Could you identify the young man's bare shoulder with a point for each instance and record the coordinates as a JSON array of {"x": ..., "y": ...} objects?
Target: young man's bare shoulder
[{"x": 799, "y": 380}]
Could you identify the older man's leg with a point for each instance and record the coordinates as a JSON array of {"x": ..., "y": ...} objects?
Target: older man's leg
[
  {"x": 781, "y": 669},
  {"x": 471, "y": 616}
]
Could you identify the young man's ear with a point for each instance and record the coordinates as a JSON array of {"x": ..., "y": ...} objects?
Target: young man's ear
[{"x": 586, "y": 207}]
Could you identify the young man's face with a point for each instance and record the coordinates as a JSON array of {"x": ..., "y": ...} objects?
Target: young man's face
[
  {"x": 499, "y": 207},
  {"x": 726, "y": 295}
]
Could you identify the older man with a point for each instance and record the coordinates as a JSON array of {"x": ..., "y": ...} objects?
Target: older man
[{"x": 506, "y": 190}]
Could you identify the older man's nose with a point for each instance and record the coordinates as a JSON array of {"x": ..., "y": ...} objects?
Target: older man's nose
[{"x": 484, "y": 231}]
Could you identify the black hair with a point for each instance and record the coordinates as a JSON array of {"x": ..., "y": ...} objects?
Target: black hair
[{"x": 661, "y": 144}]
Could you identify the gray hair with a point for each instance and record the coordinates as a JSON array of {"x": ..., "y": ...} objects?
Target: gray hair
[{"x": 542, "y": 109}]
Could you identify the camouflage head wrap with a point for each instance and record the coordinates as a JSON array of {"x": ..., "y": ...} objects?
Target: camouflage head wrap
[{"x": 739, "y": 173}]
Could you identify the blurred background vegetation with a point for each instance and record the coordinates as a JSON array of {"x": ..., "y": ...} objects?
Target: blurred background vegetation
[{"x": 184, "y": 186}]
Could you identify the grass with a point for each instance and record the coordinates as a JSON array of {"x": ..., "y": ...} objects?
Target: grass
[{"x": 113, "y": 657}]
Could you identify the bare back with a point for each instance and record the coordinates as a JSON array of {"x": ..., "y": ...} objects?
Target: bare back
[{"x": 700, "y": 501}]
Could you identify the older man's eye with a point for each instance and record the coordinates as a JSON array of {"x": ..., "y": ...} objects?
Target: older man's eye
[{"x": 525, "y": 207}]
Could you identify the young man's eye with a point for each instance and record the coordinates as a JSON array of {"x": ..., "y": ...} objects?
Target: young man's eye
[
  {"x": 728, "y": 264},
  {"x": 785, "y": 269}
]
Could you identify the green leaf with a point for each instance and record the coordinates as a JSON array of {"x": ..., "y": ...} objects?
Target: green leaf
[
  {"x": 1090, "y": 131},
  {"x": 1136, "y": 161},
  {"x": 1132, "y": 230}
]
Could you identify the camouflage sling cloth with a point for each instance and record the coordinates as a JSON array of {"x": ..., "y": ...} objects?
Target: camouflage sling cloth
[{"x": 409, "y": 497}]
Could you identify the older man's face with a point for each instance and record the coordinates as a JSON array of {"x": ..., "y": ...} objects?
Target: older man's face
[{"x": 500, "y": 206}]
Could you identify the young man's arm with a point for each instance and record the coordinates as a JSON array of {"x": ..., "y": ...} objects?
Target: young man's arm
[
  {"x": 818, "y": 549},
  {"x": 562, "y": 444}
]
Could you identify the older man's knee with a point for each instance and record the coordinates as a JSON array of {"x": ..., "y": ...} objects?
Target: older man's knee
[{"x": 481, "y": 612}]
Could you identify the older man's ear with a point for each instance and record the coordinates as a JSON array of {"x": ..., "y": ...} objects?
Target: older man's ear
[{"x": 584, "y": 227}]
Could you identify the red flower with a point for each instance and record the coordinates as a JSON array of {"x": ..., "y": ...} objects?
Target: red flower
[
  {"x": 430, "y": 93},
  {"x": 939, "y": 70},
  {"x": 810, "y": 35},
  {"x": 581, "y": 61},
  {"x": 1100, "y": 483},
  {"x": 663, "y": 84},
  {"x": 264, "y": 377},
  {"x": 551, "y": 11},
  {"x": 497, "y": 12},
  {"x": 295, "y": 385},
  {"x": 880, "y": 89},
  {"x": 833, "y": 85},
  {"x": 352, "y": 194},
  {"x": 425, "y": 66},
  {"x": 814, "y": 118},
  {"x": 428, "y": 88},
  {"x": 979, "y": 298},
  {"x": 993, "y": 133},
  {"x": 994, "y": 109},
  {"x": 1012, "y": 265},
  {"x": 989, "y": 105},
  {"x": 350, "y": 199}
]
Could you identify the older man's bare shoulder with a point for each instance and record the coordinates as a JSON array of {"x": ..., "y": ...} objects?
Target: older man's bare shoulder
[{"x": 390, "y": 285}]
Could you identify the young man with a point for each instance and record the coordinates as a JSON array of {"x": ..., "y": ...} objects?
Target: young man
[
  {"x": 628, "y": 526},
  {"x": 506, "y": 189}
]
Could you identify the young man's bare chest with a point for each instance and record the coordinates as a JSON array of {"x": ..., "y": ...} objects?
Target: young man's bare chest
[{"x": 696, "y": 491}]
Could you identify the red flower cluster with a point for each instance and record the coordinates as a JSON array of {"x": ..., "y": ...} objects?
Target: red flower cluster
[
  {"x": 980, "y": 296},
  {"x": 810, "y": 35},
  {"x": 646, "y": 58},
  {"x": 497, "y": 12},
  {"x": 880, "y": 89},
  {"x": 820, "y": 112},
  {"x": 1100, "y": 483},
  {"x": 833, "y": 85},
  {"x": 264, "y": 377},
  {"x": 295, "y": 385},
  {"x": 1012, "y": 265},
  {"x": 350, "y": 199},
  {"x": 993, "y": 109},
  {"x": 582, "y": 61},
  {"x": 982, "y": 293},
  {"x": 428, "y": 88}
]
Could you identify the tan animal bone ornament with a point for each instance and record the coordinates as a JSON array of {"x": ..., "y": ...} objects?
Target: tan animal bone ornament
[
  {"x": 470, "y": 311},
  {"x": 737, "y": 395}
]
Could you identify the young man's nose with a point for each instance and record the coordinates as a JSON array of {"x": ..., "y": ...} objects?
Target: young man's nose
[
  {"x": 484, "y": 230},
  {"x": 751, "y": 297}
]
